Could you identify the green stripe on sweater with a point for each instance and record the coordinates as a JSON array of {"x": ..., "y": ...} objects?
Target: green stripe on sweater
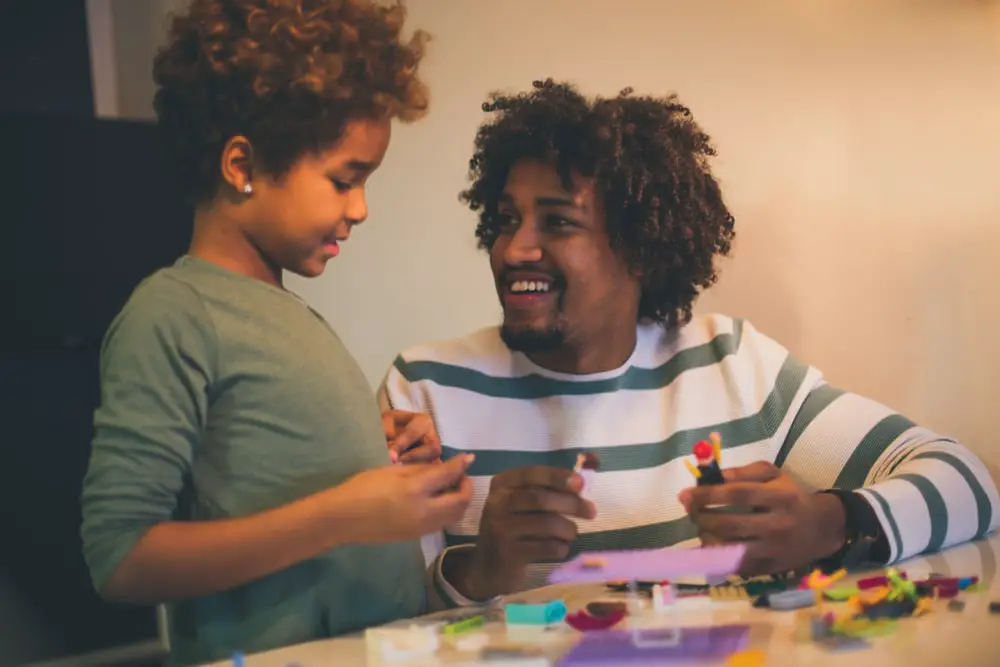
[
  {"x": 754, "y": 428},
  {"x": 536, "y": 386}
]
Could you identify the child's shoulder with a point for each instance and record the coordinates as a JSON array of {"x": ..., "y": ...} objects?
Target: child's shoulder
[
  {"x": 164, "y": 292},
  {"x": 162, "y": 306}
]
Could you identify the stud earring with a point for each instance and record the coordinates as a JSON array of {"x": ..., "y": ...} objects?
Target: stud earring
[{"x": 247, "y": 189}]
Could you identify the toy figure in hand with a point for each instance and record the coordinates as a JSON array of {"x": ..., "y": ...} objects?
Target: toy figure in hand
[
  {"x": 586, "y": 467},
  {"x": 707, "y": 469}
]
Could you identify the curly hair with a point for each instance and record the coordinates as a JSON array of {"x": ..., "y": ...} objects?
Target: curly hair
[
  {"x": 286, "y": 74},
  {"x": 649, "y": 159}
]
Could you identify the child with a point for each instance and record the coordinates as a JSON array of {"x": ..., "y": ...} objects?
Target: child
[{"x": 239, "y": 470}]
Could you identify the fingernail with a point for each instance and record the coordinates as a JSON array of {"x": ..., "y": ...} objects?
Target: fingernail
[
  {"x": 591, "y": 510},
  {"x": 574, "y": 482},
  {"x": 684, "y": 497},
  {"x": 469, "y": 458},
  {"x": 393, "y": 456}
]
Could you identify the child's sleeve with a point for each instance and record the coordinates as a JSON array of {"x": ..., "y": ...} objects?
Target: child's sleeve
[{"x": 157, "y": 362}]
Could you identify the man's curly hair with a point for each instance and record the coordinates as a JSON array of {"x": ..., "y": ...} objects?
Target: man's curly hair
[
  {"x": 286, "y": 74},
  {"x": 665, "y": 212}
]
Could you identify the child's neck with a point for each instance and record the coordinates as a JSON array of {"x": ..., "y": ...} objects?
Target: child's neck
[{"x": 217, "y": 239}]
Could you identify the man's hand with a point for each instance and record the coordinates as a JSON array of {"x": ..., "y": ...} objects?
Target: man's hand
[
  {"x": 411, "y": 436},
  {"x": 788, "y": 528},
  {"x": 525, "y": 520}
]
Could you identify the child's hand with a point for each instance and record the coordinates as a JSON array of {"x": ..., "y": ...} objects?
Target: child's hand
[
  {"x": 411, "y": 436},
  {"x": 397, "y": 503}
]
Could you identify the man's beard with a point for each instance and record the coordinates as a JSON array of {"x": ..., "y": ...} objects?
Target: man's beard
[{"x": 533, "y": 340}]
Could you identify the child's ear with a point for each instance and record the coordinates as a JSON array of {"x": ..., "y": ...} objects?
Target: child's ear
[{"x": 236, "y": 164}]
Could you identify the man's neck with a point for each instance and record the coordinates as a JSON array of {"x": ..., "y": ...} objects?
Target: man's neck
[
  {"x": 218, "y": 239},
  {"x": 598, "y": 355}
]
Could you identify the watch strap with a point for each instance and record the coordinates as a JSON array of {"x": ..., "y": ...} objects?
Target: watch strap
[{"x": 862, "y": 528}]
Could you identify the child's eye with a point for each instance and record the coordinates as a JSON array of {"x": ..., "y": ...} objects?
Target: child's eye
[{"x": 341, "y": 185}]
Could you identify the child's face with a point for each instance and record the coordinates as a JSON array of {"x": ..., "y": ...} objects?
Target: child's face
[{"x": 298, "y": 221}]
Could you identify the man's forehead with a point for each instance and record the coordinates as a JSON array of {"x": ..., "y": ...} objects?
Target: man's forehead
[{"x": 542, "y": 184}]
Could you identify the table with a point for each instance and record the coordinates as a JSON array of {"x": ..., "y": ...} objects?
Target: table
[{"x": 944, "y": 638}]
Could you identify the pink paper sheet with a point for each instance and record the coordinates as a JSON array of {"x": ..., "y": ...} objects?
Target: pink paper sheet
[{"x": 652, "y": 564}]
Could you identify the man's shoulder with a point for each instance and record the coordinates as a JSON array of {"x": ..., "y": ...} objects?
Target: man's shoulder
[
  {"x": 658, "y": 343},
  {"x": 481, "y": 351},
  {"x": 709, "y": 339}
]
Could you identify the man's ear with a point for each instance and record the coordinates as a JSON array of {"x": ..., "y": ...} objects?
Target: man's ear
[{"x": 236, "y": 164}]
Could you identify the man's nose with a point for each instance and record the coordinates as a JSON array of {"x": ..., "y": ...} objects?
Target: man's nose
[{"x": 525, "y": 246}]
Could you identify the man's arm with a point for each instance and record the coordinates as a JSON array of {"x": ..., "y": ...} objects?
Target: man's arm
[
  {"x": 927, "y": 491},
  {"x": 397, "y": 393}
]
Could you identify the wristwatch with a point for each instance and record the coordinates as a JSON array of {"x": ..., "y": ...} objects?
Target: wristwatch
[{"x": 863, "y": 532}]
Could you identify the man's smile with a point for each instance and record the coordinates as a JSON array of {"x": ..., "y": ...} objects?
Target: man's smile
[{"x": 526, "y": 290}]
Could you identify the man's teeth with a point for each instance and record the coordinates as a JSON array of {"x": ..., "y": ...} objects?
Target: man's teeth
[{"x": 523, "y": 286}]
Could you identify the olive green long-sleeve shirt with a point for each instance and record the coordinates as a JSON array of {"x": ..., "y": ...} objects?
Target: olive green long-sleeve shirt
[{"x": 223, "y": 396}]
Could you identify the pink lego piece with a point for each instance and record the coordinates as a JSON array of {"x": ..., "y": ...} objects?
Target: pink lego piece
[
  {"x": 652, "y": 564},
  {"x": 876, "y": 582}
]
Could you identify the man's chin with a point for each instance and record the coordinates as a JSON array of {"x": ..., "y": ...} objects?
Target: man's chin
[{"x": 530, "y": 340}]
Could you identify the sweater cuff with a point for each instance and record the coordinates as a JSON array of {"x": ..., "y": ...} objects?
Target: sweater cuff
[
  {"x": 886, "y": 499},
  {"x": 448, "y": 594}
]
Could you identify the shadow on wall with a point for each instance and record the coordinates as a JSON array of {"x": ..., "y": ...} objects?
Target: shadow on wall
[
  {"x": 755, "y": 281},
  {"x": 958, "y": 287}
]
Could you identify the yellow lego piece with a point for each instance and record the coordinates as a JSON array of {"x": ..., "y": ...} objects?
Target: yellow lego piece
[{"x": 716, "y": 441}]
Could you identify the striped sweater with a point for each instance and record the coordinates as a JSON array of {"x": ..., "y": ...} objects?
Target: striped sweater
[{"x": 713, "y": 374}]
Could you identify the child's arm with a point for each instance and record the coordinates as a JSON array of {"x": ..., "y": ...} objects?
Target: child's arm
[{"x": 157, "y": 370}]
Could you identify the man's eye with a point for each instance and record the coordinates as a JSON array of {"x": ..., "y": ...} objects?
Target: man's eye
[{"x": 506, "y": 221}]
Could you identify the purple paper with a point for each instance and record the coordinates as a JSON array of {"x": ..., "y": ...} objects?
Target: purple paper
[
  {"x": 652, "y": 564},
  {"x": 606, "y": 648}
]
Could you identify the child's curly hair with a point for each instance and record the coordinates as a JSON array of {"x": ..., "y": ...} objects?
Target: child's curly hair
[
  {"x": 665, "y": 211},
  {"x": 286, "y": 74}
]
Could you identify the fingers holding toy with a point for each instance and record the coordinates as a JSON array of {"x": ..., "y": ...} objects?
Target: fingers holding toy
[
  {"x": 747, "y": 496},
  {"x": 527, "y": 518},
  {"x": 783, "y": 525},
  {"x": 758, "y": 471},
  {"x": 411, "y": 436},
  {"x": 405, "y": 502}
]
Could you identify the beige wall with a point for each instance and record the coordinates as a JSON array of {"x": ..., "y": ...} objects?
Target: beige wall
[{"x": 860, "y": 150}]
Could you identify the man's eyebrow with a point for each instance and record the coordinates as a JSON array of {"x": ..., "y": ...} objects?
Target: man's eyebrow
[
  {"x": 547, "y": 200},
  {"x": 564, "y": 202}
]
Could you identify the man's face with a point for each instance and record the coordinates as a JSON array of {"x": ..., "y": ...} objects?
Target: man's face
[{"x": 558, "y": 279}]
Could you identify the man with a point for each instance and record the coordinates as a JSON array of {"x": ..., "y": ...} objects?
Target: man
[{"x": 603, "y": 222}]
